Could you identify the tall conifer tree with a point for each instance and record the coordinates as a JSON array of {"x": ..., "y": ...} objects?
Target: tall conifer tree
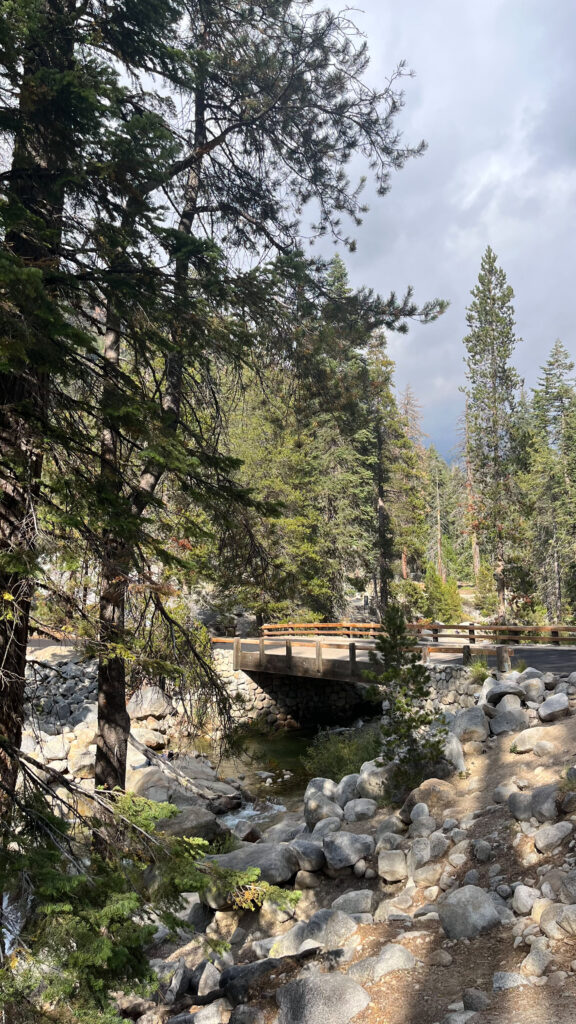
[{"x": 491, "y": 392}]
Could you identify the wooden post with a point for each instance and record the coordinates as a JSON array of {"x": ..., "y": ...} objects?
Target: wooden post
[
  {"x": 319, "y": 657},
  {"x": 236, "y": 654},
  {"x": 471, "y": 634},
  {"x": 555, "y": 634},
  {"x": 425, "y": 655},
  {"x": 502, "y": 658},
  {"x": 434, "y": 634},
  {"x": 466, "y": 654},
  {"x": 288, "y": 654},
  {"x": 261, "y": 652},
  {"x": 352, "y": 659}
]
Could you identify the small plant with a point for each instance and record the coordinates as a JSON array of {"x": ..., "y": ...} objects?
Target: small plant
[
  {"x": 514, "y": 749},
  {"x": 479, "y": 671},
  {"x": 412, "y": 737},
  {"x": 520, "y": 664},
  {"x": 335, "y": 754}
]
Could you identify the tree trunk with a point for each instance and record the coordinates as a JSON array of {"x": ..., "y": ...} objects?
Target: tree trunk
[
  {"x": 500, "y": 580},
  {"x": 113, "y": 719}
]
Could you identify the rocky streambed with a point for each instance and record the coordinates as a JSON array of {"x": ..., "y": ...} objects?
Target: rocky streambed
[{"x": 458, "y": 906}]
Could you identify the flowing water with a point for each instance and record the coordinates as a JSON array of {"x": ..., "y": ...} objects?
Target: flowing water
[{"x": 270, "y": 768}]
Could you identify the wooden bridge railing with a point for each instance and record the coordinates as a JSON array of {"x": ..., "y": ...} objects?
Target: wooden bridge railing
[{"x": 430, "y": 632}]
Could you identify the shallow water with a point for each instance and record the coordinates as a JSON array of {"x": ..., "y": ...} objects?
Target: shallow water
[{"x": 270, "y": 768}]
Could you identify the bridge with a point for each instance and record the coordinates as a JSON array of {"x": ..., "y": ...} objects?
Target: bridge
[{"x": 341, "y": 650}]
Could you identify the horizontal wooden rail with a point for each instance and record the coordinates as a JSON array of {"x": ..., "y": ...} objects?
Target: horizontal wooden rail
[{"x": 426, "y": 631}]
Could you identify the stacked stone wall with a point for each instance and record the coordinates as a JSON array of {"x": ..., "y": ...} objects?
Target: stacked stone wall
[{"x": 292, "y": 701}]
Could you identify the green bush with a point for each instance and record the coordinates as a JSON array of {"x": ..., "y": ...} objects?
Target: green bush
[
  {"x": 479, "y": 670},
  {"x": 332, "y": 755}
]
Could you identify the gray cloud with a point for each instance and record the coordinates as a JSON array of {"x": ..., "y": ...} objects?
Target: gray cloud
[{"x": 493, "y": 97}]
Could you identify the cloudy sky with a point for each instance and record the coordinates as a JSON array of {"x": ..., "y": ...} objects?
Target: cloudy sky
[{"x": 494, "y": 98}]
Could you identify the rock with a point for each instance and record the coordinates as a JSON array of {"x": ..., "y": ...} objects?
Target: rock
[
  {"x": 151, "y": 738},
  {"x": 427, "y": 875},
  {"x": 325, "y": 827},
  {"x": 247, "y": 832},
  {"x": 151, "y": 783},
  {"x": 529, "y": 673},
  {"x": 520, "y": 805},
  {"x": 360, "y": 810},
  {"x": 504, "y": 980},
  {"x": 373, "y": 780},
  {"x": 534, "y": 689},
  {"x": 566, "y": 919},
  {"x": 418, "y": 856},
  {"x": 346, "y": 789},
  {"x": 470, "y": 725},
  {"x": 437, "y": 793},
  {"x": 453, "y": 752},
  {"x": 550, "y": 836},
  {"x": 422, "y": 827},
  {"x": 419, "y": 811},
  {"x": 329, "y": 928},
  {"x": 392, "y": 957},
  {"x": 246, "y": 1015},
  {"x": 307, "y": 880},
  {"x": 526, "y": 740},
  {"x": 310, "y": 855},
  {"x": 524, "y": 898},
  {"x": 216, "y": 1013},
  {"x": 149, "y": 701},
  {"x": 440, "y": 958},
  {"x": 503, "y": 791},
  {"x": 391, "y": 841},
  {"x": 509, "y": 721},
  {"x": 544, "y": 802},
  {"x": 179, "y": 984},
  {"x": 392, "y": 824},
  {"x": 285, "y": 830},
  {"x": 467, "y": 912},
  {"x": 392, "y": 865},
  {"x": 344, "y": 849},
  {"x": 205, "y": 978},
  {"x": 543, "y": 748},
  {"x": 556, "y": 706},
  {"x": 55, "y": 748},
  {"x": 317, "y": 807},
  {"x": 439, "y": 845},
  {"x": 499, "y": 690},
  {"x": 277, "y": 861},
  {"x": 567, "y": 888},
  {"x": 322, "y": 787},
  {"x": 321, "y": 999},
  {"x": 193, "y": 821},
  {"x": 482, "y": 851},
  {"x": 475, "y": 999},
  {"x": 355, "y": 901},
  {"x": 535, "y": 964}
]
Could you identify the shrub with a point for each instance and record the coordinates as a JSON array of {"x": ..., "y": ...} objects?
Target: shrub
[
  {"x": 332, "y": 755},
  {"x": 479, "y": 670}
]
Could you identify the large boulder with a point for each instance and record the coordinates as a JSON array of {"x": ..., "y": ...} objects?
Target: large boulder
[
  {"x": 277, "y": 861},
  {"x": 467, "y": 912},
  {"x": 496, "y": 692},
  {"x": 392, "y": 865},
  {"x": 436, "y": 793},
  {"x": 373, "y": 780},
  {"x": 344, "y": 849},
  {"x": 193, "y": 821},
  {"x": 149, "y": 701},
  {"x": 470, "y": 724},
  {"x": 310, "y": 855},
  {"x": 556, "y": 706},
  {"x": 321, "y": 999},
  {"x": 550, "y": 836},
  {"x": 318, "y": 806},
  {"x": 360, "y": 810},
  {"x": 346, "y": 789},
  {"x": 513, "y": 720},
  {"x": 526, "y": 741}
]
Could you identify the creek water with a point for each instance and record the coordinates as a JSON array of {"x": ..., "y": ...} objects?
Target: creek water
[{"x": 270, "y": 768}]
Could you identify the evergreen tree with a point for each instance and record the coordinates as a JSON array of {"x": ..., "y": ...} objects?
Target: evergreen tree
[{"x": 491, "y": 392}]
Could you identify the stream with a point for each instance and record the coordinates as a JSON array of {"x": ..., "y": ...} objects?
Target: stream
[{"x": 269, "y": 766}]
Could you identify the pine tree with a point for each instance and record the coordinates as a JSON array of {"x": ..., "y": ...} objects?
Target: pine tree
[{"x": 491, "y": 392}]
